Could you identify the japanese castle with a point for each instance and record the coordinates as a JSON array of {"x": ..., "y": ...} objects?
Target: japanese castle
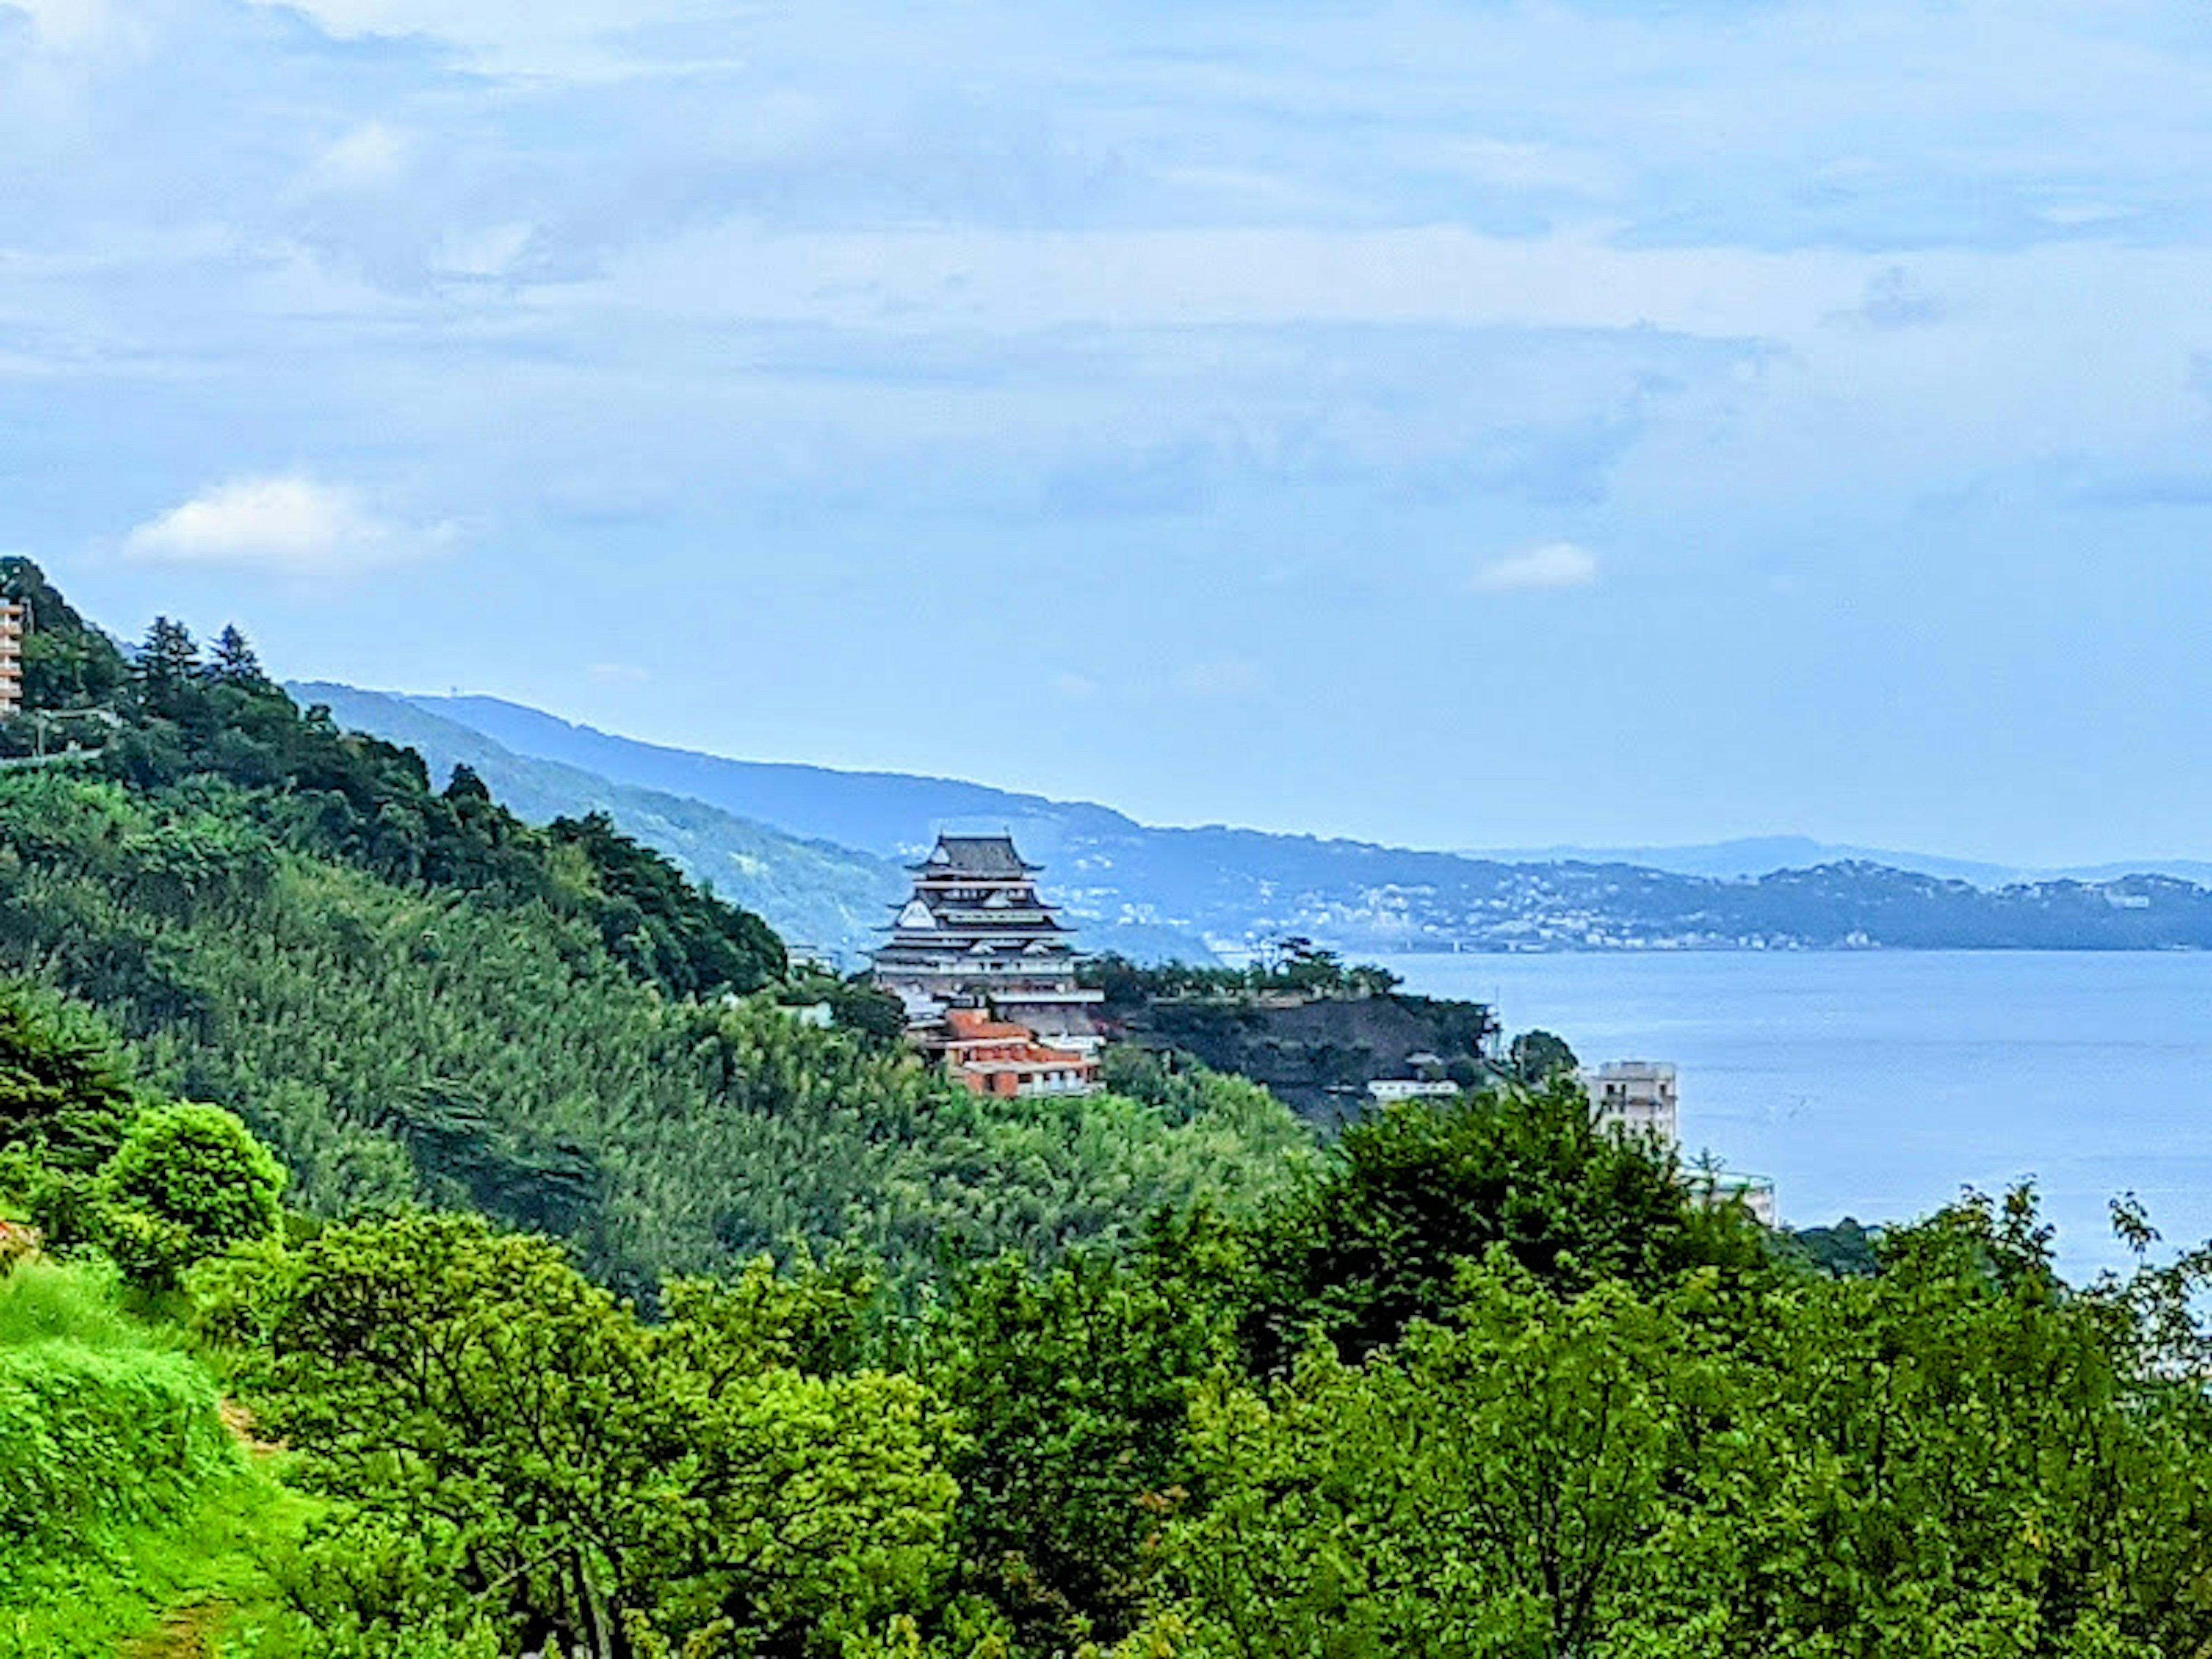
[{"x": 974, "y": 933}]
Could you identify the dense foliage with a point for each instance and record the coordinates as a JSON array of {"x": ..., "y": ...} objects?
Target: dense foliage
[
  {"x": 1957, "y": 1455},
  {"x": 511, "y": 1448},
  {"x": 188, "y": 1182},
  {"x": 121, "y": 1492},
  {"x": 64, "y": 1091},
  {"x": 1291, "y": 966},
  {"x": 1144, "y": 1375},
  {"x": 410, "y": 994},
  {"x": 1523, "y": 1398},
  {"x": 99, "y": 1427},
  {"x": 1379, "y": 1239},
  {"x": 395, "y": 1041}
]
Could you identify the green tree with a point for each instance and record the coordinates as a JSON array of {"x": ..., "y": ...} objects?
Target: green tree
[
  {"x": 65, "y": 1093},
  {"x": 233, "y": 661},
  {"x": 526, "y": 1451},
  {"x": 167, "y": 662},
  {"x": 1537, "y": 1057},
  {"x": 188, "y": 1181},
  {"x": 1957, "y": 1455},
  {"x": 860, "y": 1005},
  {"x": 1073, "y": 1386},
  {"x": 1844, "y": 1250},
  {"x": 1414, "y": 1191},
  {"x": 1501, "y": 1487}
]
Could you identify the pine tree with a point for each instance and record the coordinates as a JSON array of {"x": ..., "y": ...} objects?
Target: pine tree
[
  {"x": 167, "y": 661},
  {"x": 235, "y": 662}
]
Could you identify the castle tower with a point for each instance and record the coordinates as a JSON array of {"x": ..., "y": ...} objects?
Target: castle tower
[{"x": 974, "y": 930}]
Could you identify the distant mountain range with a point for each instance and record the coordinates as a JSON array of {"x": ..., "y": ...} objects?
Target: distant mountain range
[
  {"x": 818, "y": 852},
  {"x": 1759, "y": 855}
]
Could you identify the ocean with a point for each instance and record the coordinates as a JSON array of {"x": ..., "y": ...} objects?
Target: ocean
[{"x": 1877, "y": 1084}]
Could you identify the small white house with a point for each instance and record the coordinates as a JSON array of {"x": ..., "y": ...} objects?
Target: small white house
[{"x": 1384, "y": 1089}]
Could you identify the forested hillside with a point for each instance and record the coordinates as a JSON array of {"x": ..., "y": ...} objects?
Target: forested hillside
[
  {"x": 1480, "y": 1382},
  {"x": 412, "y": 994},
  {"x": 423, "y": 1236},
  {"x": 818, "y": 895}
]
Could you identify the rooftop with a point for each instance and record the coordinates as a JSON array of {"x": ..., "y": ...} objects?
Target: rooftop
[{"x": 976, "y": 855}]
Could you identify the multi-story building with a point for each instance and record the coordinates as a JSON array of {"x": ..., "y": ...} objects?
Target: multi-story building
[
  {"x": 1636, "y": 1097},
  {"x": 1754, "y": 1193},
  {"x": 14, "y": 620},
  {"x": 991, "y": 1056},
  {"x": 973, "y": 933}
]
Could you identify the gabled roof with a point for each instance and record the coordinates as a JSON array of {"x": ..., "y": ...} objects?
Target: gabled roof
[{"x": 975, "y": 855}]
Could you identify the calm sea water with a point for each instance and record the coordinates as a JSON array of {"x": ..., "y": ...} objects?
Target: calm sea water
[{"x": 1877, "y": 1084}]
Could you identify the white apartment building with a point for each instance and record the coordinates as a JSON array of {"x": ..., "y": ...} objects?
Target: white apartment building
[
  {"x": 14, "y": 615},
  {"x": 1636, "y": 1097},
  {"x": 1639, "y": 1098}
]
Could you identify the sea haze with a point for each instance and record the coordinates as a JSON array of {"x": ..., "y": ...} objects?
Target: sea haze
[{"x": 1878, "y": 1083}]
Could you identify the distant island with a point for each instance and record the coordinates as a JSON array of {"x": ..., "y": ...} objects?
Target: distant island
[{"x": 818, "y": 852}]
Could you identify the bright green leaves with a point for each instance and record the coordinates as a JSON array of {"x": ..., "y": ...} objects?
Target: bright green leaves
[
  {"x": 1073, "y": 1386},
  {"x": 519, "y": 1445},
  {"x": 1417, "y": 1189},
  {"x": 1959, "y": 1456},
  {"x": 188, "y": 1182},
  {"x": 1494, "y": 1488}
]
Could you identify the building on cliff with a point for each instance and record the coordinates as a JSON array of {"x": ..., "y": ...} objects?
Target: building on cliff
[
  {"x": 991, "y": 1056},
  {"x": 975, "y": 934},
  {"x": 14, "y": 620}
]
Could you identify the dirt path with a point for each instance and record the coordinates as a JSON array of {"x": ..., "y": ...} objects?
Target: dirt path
[{"x": 187, "y": 1633}]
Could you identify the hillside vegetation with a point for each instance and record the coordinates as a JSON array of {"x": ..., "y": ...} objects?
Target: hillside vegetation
[
  {"x": 817, "y": 895},
  {"x": 587, "y": 1306},
  {"x": 411, "y": 994},
  {"x": 123, "y": 1494},
  {"x": 1481, "y": 1382}
]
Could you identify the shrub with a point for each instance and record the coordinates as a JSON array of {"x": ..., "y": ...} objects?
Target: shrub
[{"x": 188, "y": 1181}]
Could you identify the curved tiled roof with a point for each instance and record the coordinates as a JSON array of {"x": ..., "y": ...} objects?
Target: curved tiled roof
[{"x": 975, "y": 855}]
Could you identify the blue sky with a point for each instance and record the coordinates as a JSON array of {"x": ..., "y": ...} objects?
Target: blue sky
[{"x": 1456, "y": 424}]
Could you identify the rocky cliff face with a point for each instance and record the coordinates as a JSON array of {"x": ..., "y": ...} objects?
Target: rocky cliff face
[{"x": 1318, "y": 1055}]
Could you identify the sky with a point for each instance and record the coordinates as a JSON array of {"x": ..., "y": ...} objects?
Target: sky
[{"x": 1452, "y": 424}]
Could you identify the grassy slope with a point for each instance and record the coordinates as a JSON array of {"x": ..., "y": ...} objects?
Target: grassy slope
[{"x": 124, "y": 1502}]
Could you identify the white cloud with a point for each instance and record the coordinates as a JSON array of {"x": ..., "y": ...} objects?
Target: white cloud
[
  {"x": 67, "y": 25},
  {"x": 618, "y": 673},
  {"x": 289, "y": 523},
  {"x": 1555, "y": 564},
  {"x": 487, "y": 251},
  {"x": 1232, "y": 677},
  {"x": 369, "y": 155},
  {"x": 1074, "y": 686}
]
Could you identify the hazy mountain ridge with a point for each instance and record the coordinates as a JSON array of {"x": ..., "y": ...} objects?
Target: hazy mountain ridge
[
  {"x": 1126, "y": 883},
  {"x": 1747, "y": 857}
]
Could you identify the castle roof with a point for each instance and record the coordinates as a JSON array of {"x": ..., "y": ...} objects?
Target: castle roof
[{"x": 989, "y": 856}]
